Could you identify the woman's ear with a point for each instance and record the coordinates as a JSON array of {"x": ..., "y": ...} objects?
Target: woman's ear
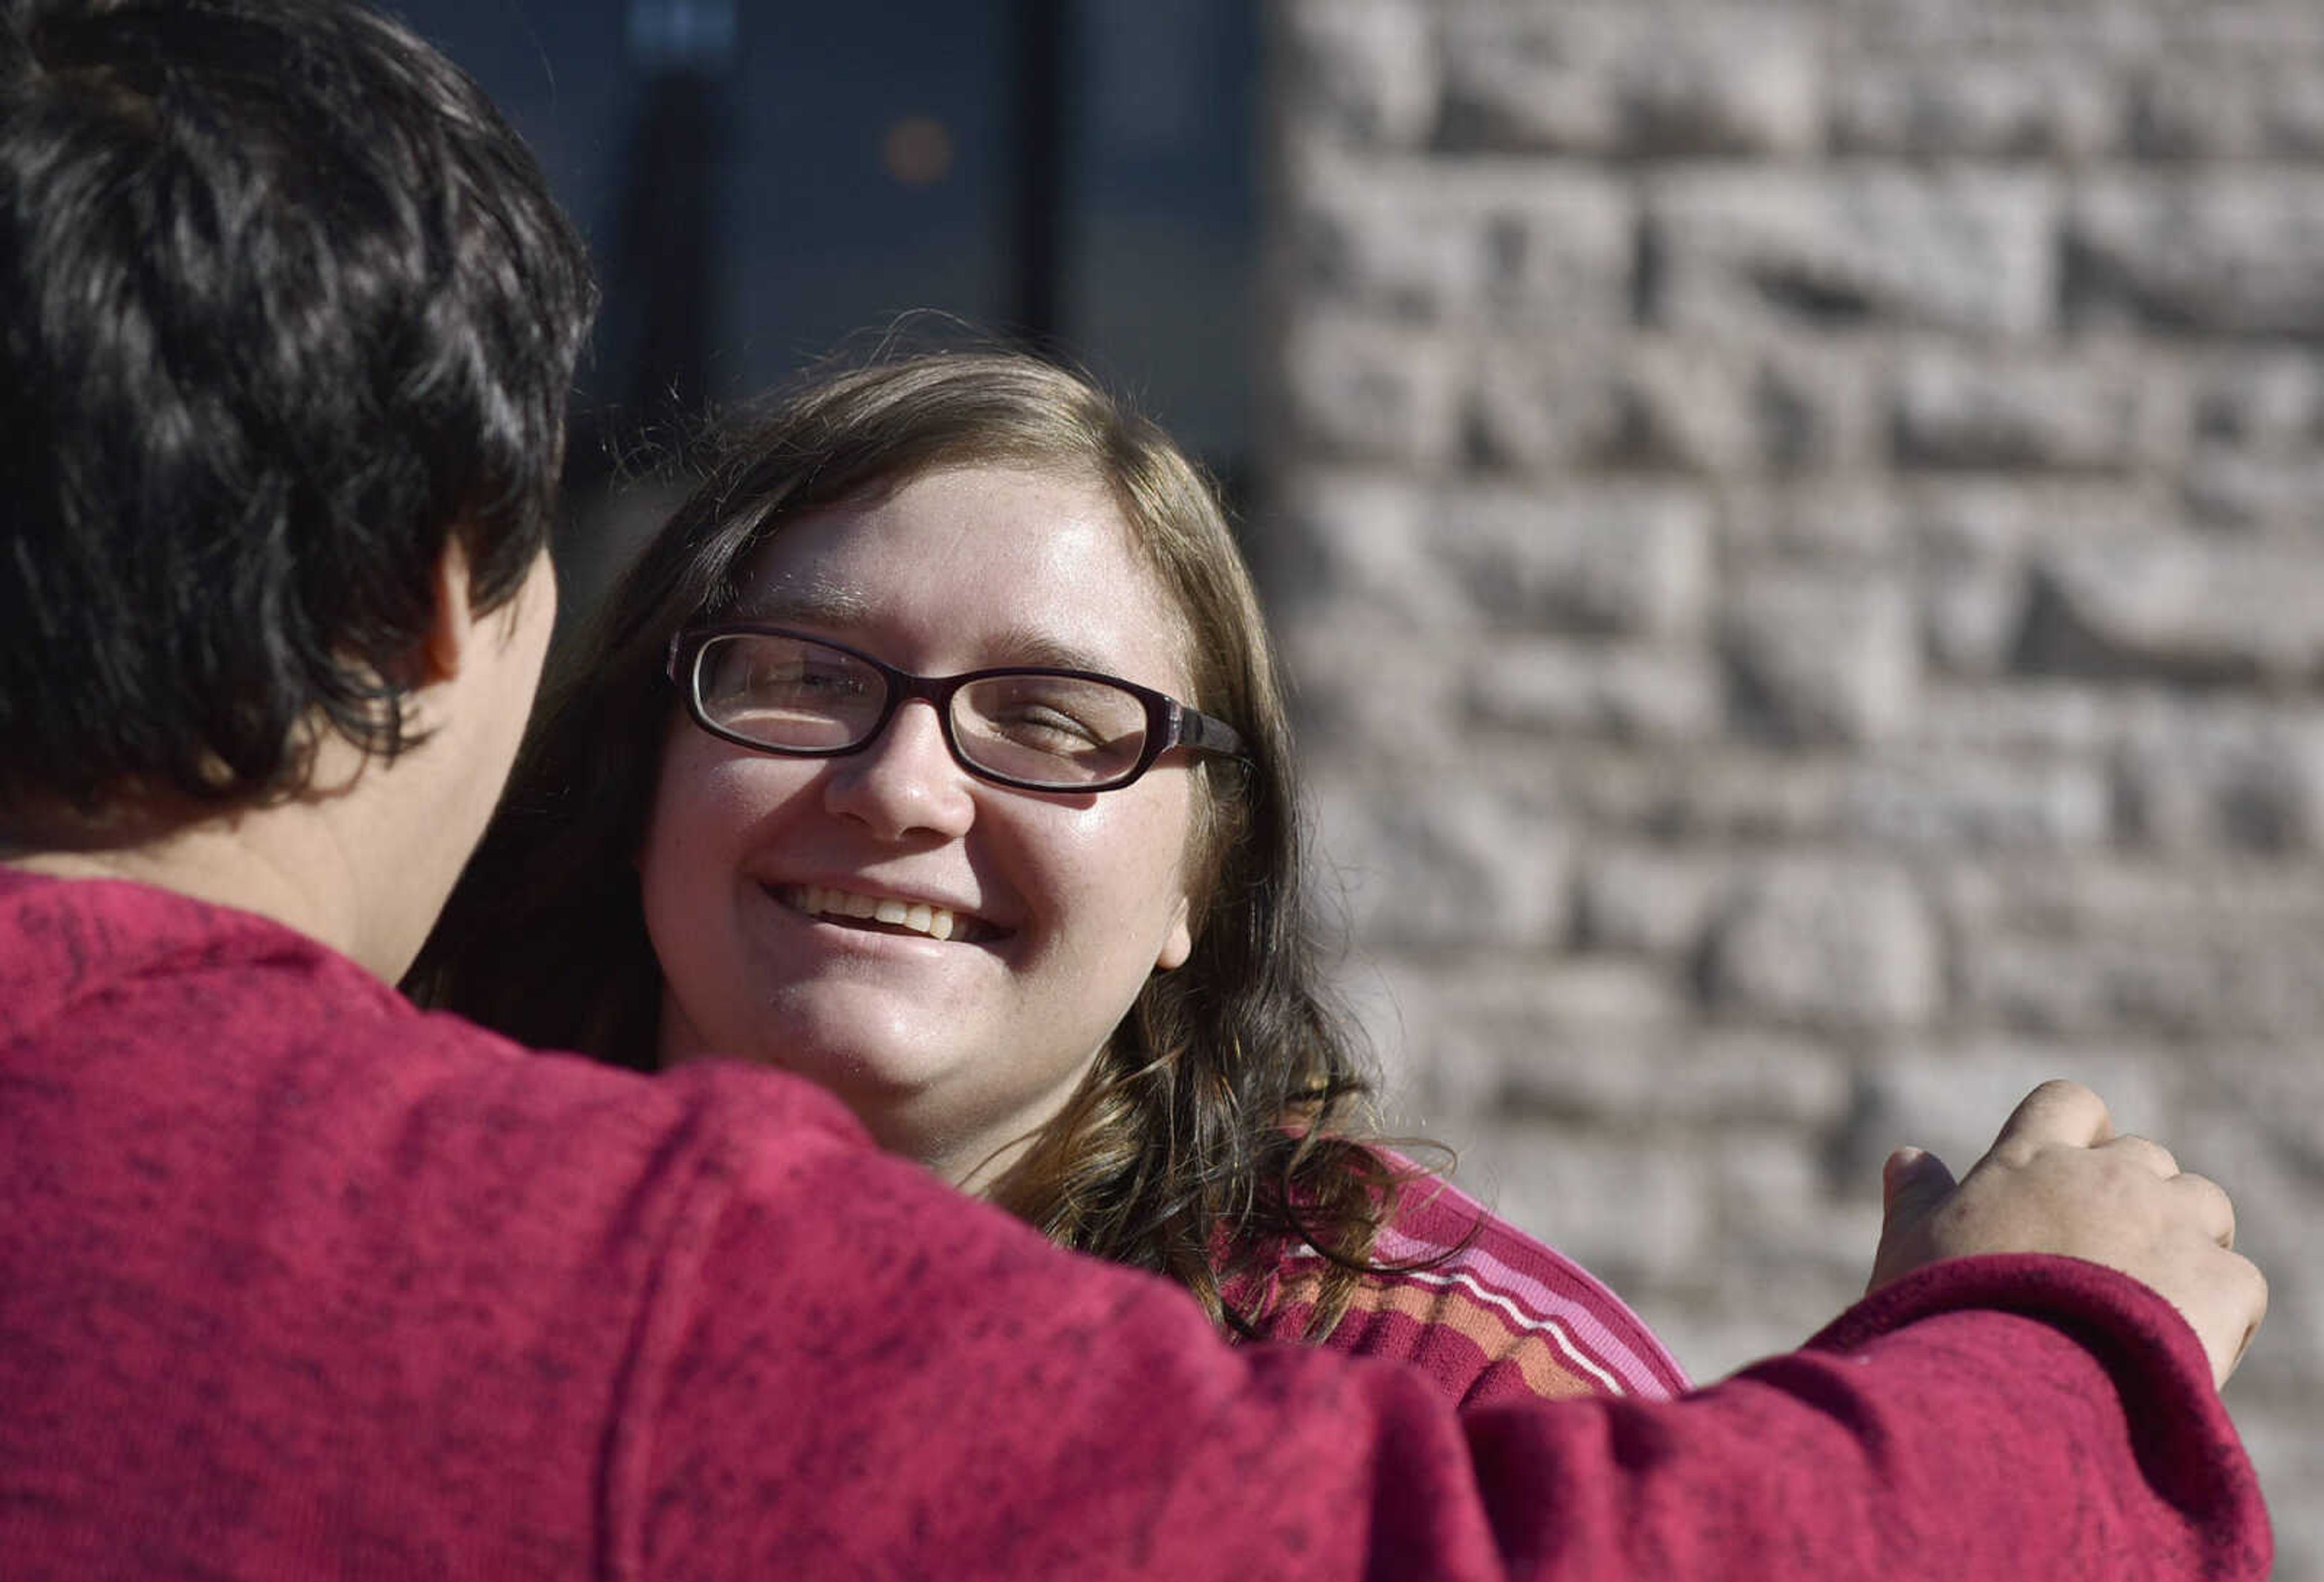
[{"x": 1178, "y": 944}]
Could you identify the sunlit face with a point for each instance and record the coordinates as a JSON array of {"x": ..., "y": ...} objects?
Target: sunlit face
[{"x": 1058, "y": 906}]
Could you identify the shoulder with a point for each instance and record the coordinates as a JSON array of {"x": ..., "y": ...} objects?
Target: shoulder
[
  {"x": 163, "y": 1018},
  {"x": 1488, "y": 1311}
]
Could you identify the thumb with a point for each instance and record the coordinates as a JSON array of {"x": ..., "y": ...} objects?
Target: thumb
[{"x": 1912, "y": 1183}]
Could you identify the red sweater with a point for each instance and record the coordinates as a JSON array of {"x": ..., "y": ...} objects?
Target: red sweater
[{"x": 296, "y": 1282}]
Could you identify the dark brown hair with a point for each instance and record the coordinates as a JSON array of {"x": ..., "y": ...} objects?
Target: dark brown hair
[
  {"x": 1222, "y": 1120},
  {"x": 285, "y": 307}
]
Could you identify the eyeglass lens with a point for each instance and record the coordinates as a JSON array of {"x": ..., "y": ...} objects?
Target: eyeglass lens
[{"x": 791, "y": 693}]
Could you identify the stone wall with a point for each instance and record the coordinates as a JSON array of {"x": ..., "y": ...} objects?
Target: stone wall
[{"x": 1799, "y": 528}]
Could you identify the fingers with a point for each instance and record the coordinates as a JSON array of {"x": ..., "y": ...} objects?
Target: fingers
[
  {"x": 2058, "y": 1180},
  {"x": 2209, "y": 1201},
  {"x": 2148, "y": 1152},
  {"x": 2212, "y": 1208},
  {"x": 2255, "y": 1285},
  {"x": 2056, "y": 1112},
  {"x": 2239, "y": 1290}
]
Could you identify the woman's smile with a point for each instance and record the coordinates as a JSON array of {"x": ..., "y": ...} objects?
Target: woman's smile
[{"x": 885, "y": 914}]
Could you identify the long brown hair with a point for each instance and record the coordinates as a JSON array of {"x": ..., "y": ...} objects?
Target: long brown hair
[{"x": 1225, "y": 1119}]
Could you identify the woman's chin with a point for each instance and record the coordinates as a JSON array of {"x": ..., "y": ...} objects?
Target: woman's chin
[{"x": 874, "y": 1074}]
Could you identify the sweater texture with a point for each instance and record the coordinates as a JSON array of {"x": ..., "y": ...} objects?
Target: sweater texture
[{"x": 298, "y": 1281}]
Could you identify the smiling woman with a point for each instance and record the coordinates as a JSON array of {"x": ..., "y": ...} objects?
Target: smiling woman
[
  {"x": 935, "y": 752},
  {"x": 767, "y": 869}
]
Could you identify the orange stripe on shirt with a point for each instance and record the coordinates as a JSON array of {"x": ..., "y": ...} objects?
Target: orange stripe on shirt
[{"x": 1440, "y": 1309}]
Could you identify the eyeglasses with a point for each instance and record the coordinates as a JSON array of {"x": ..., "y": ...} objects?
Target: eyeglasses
[{"x": 1027, "y": 726}]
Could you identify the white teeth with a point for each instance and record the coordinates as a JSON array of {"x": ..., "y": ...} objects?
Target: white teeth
[{"x": 936, "y": 922}]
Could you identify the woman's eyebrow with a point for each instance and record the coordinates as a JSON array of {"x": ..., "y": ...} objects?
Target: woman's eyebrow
[
  {"x": 811, "y": 601},
  {"x": 1026, "y": 645}
]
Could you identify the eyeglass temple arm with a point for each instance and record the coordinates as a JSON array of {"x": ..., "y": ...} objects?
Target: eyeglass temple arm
[{"x": 1198, "y": 729}]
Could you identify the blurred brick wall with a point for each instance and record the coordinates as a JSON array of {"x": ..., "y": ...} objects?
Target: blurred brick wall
[{"x": 1799, "y": 528}]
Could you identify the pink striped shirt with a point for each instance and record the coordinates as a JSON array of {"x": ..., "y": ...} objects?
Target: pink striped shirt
[{"x": 1486, "y": 1312}]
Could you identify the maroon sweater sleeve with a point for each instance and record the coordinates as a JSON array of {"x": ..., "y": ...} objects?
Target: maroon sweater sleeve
[
  {"x": 298, "y": 1283},
  {"x": 967, "y": 1403}
]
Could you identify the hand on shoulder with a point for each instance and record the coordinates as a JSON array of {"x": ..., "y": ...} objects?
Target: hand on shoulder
[{"x": 2059, "y": 1179}]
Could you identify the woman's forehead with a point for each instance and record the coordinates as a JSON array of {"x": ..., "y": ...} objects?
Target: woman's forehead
[{"x": 1041, "y": 566}]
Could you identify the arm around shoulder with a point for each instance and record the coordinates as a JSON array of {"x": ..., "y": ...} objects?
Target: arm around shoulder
[{"x": 853, "y": 1369}]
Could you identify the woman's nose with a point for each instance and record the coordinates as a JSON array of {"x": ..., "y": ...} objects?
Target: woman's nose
[{"x": 904, "y": 779}]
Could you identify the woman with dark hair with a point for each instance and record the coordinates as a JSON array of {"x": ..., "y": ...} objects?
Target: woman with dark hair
[{"x": 1047, "y": 935}]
